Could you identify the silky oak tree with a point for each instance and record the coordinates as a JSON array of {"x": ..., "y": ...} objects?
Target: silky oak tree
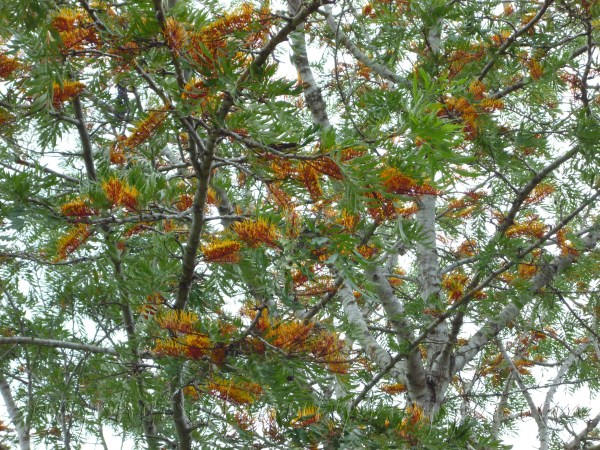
[{"x": 300, "y": 224}]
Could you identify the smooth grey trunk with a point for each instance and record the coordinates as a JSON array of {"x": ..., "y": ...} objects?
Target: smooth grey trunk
[{"x": 15, "y": 414}]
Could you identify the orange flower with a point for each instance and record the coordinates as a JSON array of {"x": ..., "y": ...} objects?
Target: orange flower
[
  {"x": 535, "y": 69},
  {"x": 491, "y": 104},
  {"x": 195, "y": 346},
  {"x": 169, "y": 347},
  {"x": 408, "y": 211},
  {"x": 467, "y": 248},
  {"x": 225, "y": 251},
  {"x": 348, "y": 220},
  {"x": 8, "y": 65},
  {"x": 279, "y": 196},
  {"x": 67, "y": 19},
  {"x": 501, "y": 38},
  {"x": 120, "y": 193},
  {"x": 179, "y": 321},
  {"x": 185, "y": 202},
  {"x": 330, "y": 349},
  {"x": 396, "y": 182},
  {"x": 240, "y": 393},
  {"x": 195, "y": 89},
  {"x": 393, "y": 389},
  {"x": 151, "y": 306},
  {"x": 66, "y": 92},
  {"x": 309, "y": 176},
  {"x": 306, "y": 416},
  {"x": 477, "y": 88},
  {"x": 290, "y": 336},
  {"x": 72, "y": 240},
  {"x": 455, "y": 285},
  {"x": 117, "y": 155},
  {"x": 145, "y": 128},
  {"x": 175, "y": 35},
  {"x": 540, "y": 192},
  {"x": 74, "y": 39},
  {"x": 256, "y": 232},
  {"x": 527, "y": 270},
  {"x": 78, "y": 207},
  {"x": 191, "y": 392},
  {"x": 366, "y": 251},
  {"x": 327, "y": 166},
  {"x": 532, "y": 228}
]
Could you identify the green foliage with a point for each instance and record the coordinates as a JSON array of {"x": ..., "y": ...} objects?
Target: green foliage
[{"x": 389, "y": 242}]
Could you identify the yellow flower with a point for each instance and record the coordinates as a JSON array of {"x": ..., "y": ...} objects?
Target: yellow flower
[
  {"x": 66, "y": 92},
  {"x": 224, "y": 251},
  {"x": 256, "y": 232},
  {"x": 72, "y": 240},
  {"x": 306, "y": 416}
]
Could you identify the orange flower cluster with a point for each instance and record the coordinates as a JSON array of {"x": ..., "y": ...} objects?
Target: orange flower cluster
[
  {"x": 467, "y": 248},
  {"x": 454, "y": 284},
  {"x": 290, "y": 336},
  {"x": 66, "y": 92},
  {"x": 120, "y": 193},
  {"x": 396, "y": 182},
  {"x": 8, "y": 65},
  {"x": 379, "y": 208},
  {"x": 255, "y": 233},
  {"x": 309, "y": 176},
  {"x": 408, "y": 210},
  {"x": 565, "y": 246},
  {"x": 501, "y": 38},
  {"x": 192, "y": 346},
  {"x": 352, "y": 152},
  {"x": 394, "y": 389},
  {"x": 178, "y": 321},
  {"x": 67, "y": 19},
  {"x": 279, "y": 196},
  {"x": 328, "y": 167},
  {"x": 72, "y": 241},
  {"x": 78, "y": 207},
  {"x": 240, "y": 393},
  {"x": 460, "y": 58},
  {"x": 175, "y": 35},
  {"x": 329, "y": 348},
  {"x": 468, "y": 114},
  {"x": 527, "y": 270},
  {"x": 395, "y": 280},
  {"x": 540, "y": 192},
  {"x": 413, "y": 418},
  {"x": 348, "y": 221},
  {"x": 222, "y": 251},
  {"x": 533, "y": 228},
  {"x": 535, "y": 68},
  {"x": 195, "y": 89},
  {"x": 366, "y": 251},
  {"x": 306, "y": 417},
  {"x": 477, "y": 88},
  {"x": 321, "y": 285},
  {"x": 491, "y": 104},
  {"x": 151, "y": 306},
  {"x": 184, "y": 340},
  {"x": 74, "y": 29},
  {"x": 210, "y": 43},
  {"x": 191, "y": 392},
  {"x": 145, "y": 128},
  {"x": 5, "y": 117},
  {"x": 185, "y": 202},
  {"x": 117, "y": 155}
]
